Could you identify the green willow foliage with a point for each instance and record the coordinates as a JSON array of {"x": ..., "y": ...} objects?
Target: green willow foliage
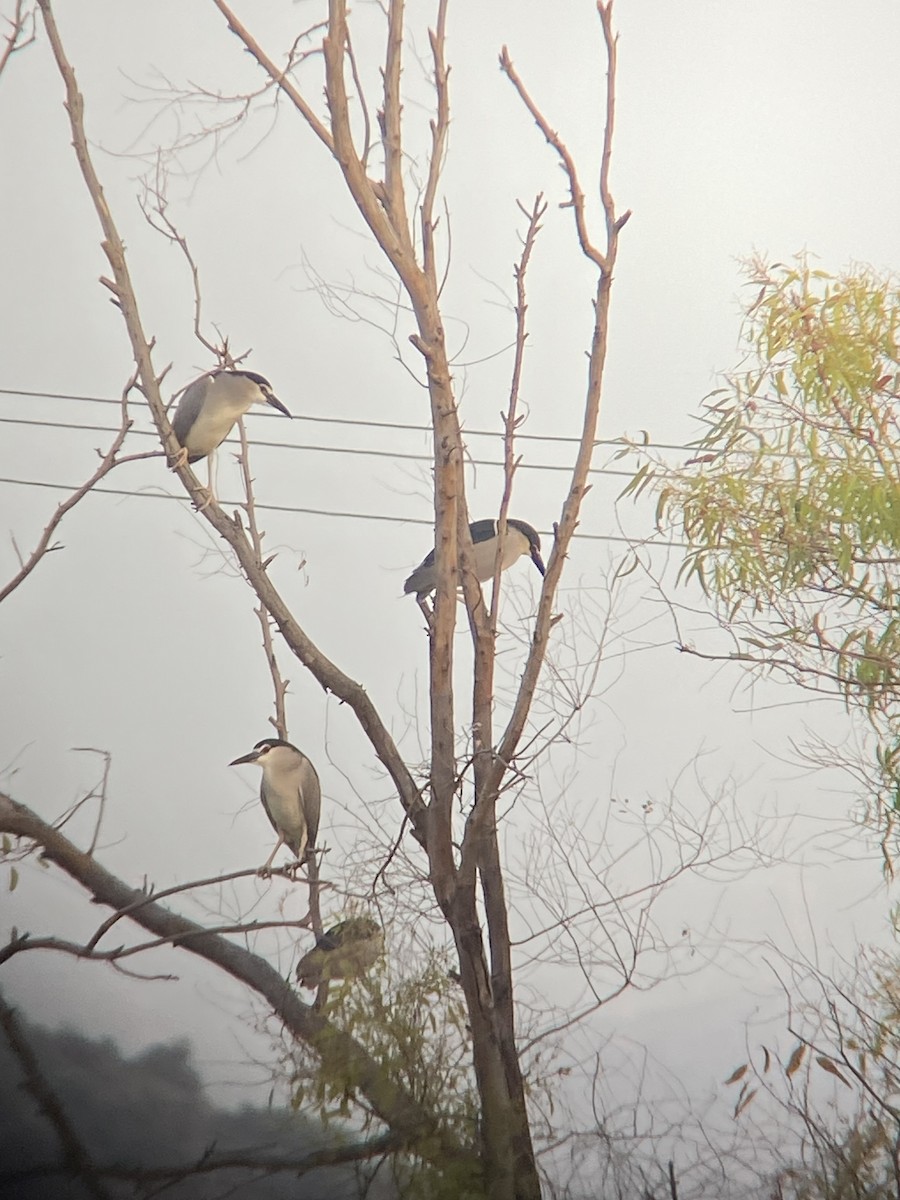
[
  {"x": 415, "y": 1028},
  {"x": 791, "y": 504}
]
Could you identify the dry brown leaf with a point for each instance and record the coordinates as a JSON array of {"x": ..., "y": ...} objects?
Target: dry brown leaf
[
  {"x": 827, "y": 1065},
  {"x": 795, "y": 1060},
  {"x": 737, "y": 1074},
  {"x": 742, "y": 1104}
]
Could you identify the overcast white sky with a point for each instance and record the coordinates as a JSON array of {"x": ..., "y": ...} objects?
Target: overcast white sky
[{"x": 740, "y": 127}]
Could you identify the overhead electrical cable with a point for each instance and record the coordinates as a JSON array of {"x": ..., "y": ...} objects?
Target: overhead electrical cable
[
  {"x": 290, "y": 508},
  {"x": 367, "y": 424},
  {"x": 360, "y": 450}
]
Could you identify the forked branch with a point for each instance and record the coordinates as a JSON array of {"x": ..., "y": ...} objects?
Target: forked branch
[
  {"x": 604, "y": 260},
  {"x": 21, "y": 32},
  {"x": 576, "y": 193}
]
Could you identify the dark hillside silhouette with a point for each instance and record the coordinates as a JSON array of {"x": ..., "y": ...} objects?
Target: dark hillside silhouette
[{"x": 149, "y": 1111}]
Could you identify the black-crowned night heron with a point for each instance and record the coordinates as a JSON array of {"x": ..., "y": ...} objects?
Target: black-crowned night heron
[
  {"x": 290, "y": 794},
  {"x": 345, "y": 951},
  {"x": 210, "y": 406},
  {"x": 520, "y": 539}
]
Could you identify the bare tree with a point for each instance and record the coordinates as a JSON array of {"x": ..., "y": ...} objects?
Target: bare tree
[{"x": 479, "y": 755}]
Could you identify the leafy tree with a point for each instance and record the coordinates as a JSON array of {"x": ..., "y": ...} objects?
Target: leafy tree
[{"x": 790, "y": 504}]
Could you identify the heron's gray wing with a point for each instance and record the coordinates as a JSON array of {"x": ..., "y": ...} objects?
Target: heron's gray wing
[
  {"x": 483, "y": 531},
  {"x": 347, "y": 933},
  {"x": 188, "y": 409},
  {"x": 427, "y": 561},
  {"x": 310, "y": 798},
  {"x": 332, "y": 938},
  {"x": 423, "y": 578}
]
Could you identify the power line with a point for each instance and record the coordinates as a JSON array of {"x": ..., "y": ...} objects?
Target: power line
[
  {"x": 311, "y": 512},
  {"x": 365, "y": 424},
  {"x": 295, "y": 446},
  {"x": 395, "y": 454}
]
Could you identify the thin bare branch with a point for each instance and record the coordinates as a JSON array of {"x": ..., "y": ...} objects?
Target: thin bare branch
[
  {"x": 389, "y": 118},
  {"x": 439, "y": 128},
  {"x": 113, "y": 247},
  {"x": 480, "y": 848},
  {"x": 151, "y": 896},
  {"x": 279, "y": 684},
  {"x": 277, "y": 75},
  {"x": 510, "y": 417},
  {"x": 21, "y": 32},
  {"x": 25, "y": 942},
  {"x": 158, "y": 218},
  {"x": 210, "y": 1164},
  {"x": 613, "y": 223},
  {"x": 363, "y": 103},
  {"x": 565, "y": 529},
  {"x": 94, "y": 792},
  {"x": 108, "y": 462}
]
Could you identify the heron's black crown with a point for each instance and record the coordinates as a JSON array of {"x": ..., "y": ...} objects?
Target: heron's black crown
[{"x": 260, "y": 380}]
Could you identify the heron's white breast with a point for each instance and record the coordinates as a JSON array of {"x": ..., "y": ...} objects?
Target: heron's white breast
[{"x": 515, "y": 544}]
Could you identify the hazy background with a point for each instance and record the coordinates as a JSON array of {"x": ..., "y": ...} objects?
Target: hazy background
[{"x": 740, "y": 128}]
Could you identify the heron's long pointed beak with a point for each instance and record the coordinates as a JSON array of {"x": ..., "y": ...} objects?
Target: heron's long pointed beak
[
  {"x": 276, "y": 403},
  {"x": 538, "y": 561},
  {"x": 247, "y": 758}
]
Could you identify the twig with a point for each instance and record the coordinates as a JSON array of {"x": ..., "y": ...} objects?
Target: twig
[
  {"x": 279, "y": 683},
  {"x": 114, "y": 249},
  {"x": 278, "y": 76},
  {"x": 19, "y": 35},
  {"x": 108, "y": 462},
  {"x": 164, "y": 225},
  {"x": 575, "y": 191},
  {"x": 510, "y": 417},
  {"x": 101, "y": 796},
  {"x": 439, "y": 127},
  {"x": 363, "y": 103},
  {"x": 25, "y": 942},
  {"x": 151, "y": 895},
  {"x": 480, "y": 848},
  {"x": 389, "y": 118},
  {"x": 565, "y": 528}
]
